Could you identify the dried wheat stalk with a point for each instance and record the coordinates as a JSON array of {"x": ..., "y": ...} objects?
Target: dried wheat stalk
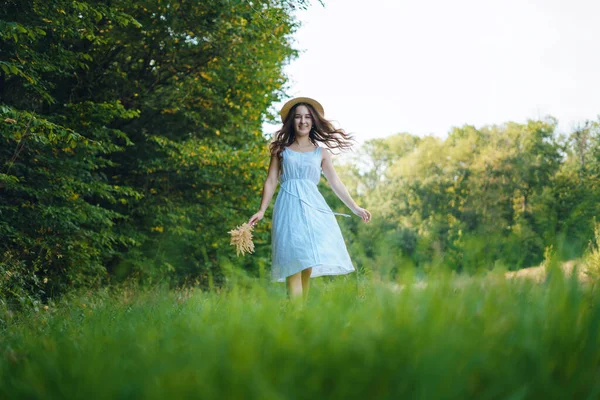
[{"x": 241, "y": 238}]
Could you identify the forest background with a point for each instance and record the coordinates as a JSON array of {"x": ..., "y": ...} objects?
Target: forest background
[{"x": 131, "y": 143}]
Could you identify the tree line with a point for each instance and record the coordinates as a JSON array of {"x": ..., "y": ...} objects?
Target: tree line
[
  {"x": 498, "y": 195},
  {"x": 131, "y": 136}
]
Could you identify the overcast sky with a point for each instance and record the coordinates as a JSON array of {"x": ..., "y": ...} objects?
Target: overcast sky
[{"x": 423, "y": 66}]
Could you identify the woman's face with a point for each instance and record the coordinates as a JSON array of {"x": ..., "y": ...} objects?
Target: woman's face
[{"x": 302, "y": 121}]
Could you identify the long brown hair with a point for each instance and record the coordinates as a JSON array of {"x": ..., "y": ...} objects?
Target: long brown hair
[{"x": 322, "y": 131}]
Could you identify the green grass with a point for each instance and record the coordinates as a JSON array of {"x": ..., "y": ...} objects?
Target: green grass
[{"x": 485, "y": 338}]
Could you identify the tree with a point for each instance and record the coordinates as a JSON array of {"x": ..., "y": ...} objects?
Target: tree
[
  {"x": 131, "y": 133},
  {"x": 479, "y": 198}
]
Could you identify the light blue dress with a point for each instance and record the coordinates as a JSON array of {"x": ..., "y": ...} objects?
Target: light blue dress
[{"x": 305, "y": 232}]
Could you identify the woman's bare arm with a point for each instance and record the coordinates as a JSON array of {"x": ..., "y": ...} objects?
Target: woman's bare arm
[
  {"x": 339, "y": 188},
  {"x": 268, "y": 190}
]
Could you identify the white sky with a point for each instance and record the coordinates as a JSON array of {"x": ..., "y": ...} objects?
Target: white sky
[{"x": 423, "y": 66}]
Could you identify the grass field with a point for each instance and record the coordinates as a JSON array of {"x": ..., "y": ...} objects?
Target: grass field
[{"x": 453, "y": 338}]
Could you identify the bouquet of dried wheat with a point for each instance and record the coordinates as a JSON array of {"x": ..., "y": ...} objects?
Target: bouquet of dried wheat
[{"x": 241, "y": 238}]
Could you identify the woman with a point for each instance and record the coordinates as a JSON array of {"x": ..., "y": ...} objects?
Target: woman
[{"x": 306, "y": 238}]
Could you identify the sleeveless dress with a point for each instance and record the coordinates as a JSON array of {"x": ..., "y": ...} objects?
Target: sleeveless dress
[{"x": 305, "y": 232}]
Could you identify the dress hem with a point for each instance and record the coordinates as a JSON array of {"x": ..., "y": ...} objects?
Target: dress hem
[{"x": 317, "y": 275}]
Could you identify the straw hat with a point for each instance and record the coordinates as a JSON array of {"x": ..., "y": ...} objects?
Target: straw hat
[{"x": 287, "y": 106}]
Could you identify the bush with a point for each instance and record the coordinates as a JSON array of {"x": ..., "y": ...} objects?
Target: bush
[{"x": 21, "y": 288}]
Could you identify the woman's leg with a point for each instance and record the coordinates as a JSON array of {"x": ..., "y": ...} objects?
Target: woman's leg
[
  {"x": 294, "y": 285},
  {"x": 306, "y": 281}
]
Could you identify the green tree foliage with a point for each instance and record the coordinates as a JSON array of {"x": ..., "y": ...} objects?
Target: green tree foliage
[
  {"x": 577, "y": 185},
  {"x": 481, "y": 197},
  {"x": 131, "y": 132}
]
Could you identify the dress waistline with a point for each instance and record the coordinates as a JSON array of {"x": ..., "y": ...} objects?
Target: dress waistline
[
  {"x": 297, "y": 179},
  {"x": 323, "y": 210}
]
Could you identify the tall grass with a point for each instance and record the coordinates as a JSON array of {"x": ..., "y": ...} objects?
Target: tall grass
[{"x": 485, "y": 338}]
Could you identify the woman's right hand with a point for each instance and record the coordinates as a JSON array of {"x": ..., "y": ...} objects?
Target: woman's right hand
[{"x": 256, "y": 217}]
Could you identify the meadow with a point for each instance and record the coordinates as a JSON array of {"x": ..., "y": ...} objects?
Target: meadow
[{"x": 442, "y": 337}]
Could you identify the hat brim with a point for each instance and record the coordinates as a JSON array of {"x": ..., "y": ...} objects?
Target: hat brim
[{"x": 291, "y": 103}]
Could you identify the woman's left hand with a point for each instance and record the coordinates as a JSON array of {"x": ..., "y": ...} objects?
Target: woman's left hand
[{"x": 363, "y": 213}]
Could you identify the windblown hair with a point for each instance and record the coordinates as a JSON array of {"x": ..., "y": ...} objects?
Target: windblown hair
[{"x": 322, "y": 131}]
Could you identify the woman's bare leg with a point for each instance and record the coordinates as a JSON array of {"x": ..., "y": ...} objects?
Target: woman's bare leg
[
  {"x": 294, "y": 285},
  {"x": 306, "y": 281}
]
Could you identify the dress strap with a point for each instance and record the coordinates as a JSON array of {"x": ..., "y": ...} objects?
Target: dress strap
[{"x": 310, "y": 205}]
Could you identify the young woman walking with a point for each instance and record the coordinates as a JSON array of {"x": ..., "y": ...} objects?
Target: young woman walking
[{"x": 306, "y": 238}]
